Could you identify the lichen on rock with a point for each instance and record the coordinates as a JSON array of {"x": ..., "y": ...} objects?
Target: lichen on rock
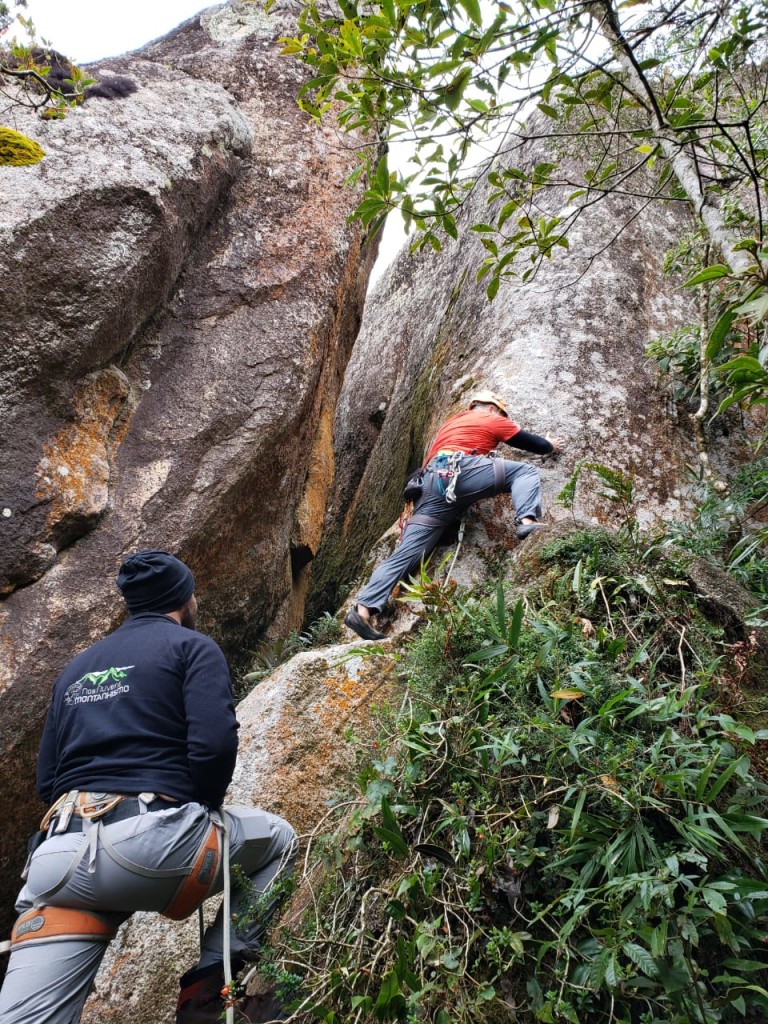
[
  {"x": 16, "y": 150},
  {"x": 74, "y": 471}
]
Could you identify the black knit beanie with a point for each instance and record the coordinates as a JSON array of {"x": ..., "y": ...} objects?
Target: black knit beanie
[{"x": 154, "y": 581}]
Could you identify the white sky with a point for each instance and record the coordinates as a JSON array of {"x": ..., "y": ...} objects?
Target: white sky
[{"x": 87, "y": 30}]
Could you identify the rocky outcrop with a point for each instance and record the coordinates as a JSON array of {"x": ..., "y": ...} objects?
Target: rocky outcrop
[
  {"x": 180, "y": 296},
  {"x": 735, "y": 608},
  {"x": 92, "y": 242},
  {"x": 296, "y": 755},
  {"x": 566, "y": 348}
]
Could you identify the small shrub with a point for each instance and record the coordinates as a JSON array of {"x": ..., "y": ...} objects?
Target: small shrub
[
  {"x": 323, "y": 631},
  {"x": 271, "y": 653}
]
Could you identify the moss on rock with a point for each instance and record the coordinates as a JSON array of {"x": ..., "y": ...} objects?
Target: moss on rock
[{"x": 16, "y": 150}]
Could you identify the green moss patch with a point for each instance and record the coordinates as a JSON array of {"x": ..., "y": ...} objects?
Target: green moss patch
[{"x": 16, "y": 150}]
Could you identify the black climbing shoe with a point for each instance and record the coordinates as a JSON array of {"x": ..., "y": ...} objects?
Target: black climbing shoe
[
  {"x": 201, "y": 995},
  {"x": 200, "y": 1000},
  {"x": 526, "y": 529},
  {"x": 357, "y": 624}
]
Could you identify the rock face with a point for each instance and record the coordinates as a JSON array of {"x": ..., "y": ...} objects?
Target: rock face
[
  {"x": 728, "y": 603},
  {"x": 295, "y": 756},
  {"x": 566, "y": 349},
  {"x": 180, "y": 297}
]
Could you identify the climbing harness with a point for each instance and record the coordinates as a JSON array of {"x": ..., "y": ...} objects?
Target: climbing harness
[
  {"x": 57, "y": 924},
  {"x": 194, "y": 888},
  {"x": 88, "y": 812},
  {"x": 422, "y": 519},
  {"x": 499, "y": 473},
  {"x": 196, "y": 879},
  {"x": 446, "y": 467}
]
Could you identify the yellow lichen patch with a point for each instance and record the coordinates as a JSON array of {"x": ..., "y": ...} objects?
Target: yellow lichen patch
[
  {"x": 16, "y": 150},
  {"x": 73, "y": 472},
  {"x": 346, "y": 697}
]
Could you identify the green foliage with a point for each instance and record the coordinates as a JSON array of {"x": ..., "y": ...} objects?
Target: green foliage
[
  {"x": 16, "y": 150},
  {"x": 46, "y": 81},
  {"x": 320, "y": 633},
  {"x": 730, "y": 528},
  {"x": 619, "y": 486},
  {"x": 747, "y": 380},
  {"x": 721, "y": 362},
  {"x": 618, "y": 490},
  {"x": 677, "y": 357},
  {"x": 742, "y": 314},
  {"x": 565, "y": 821},
  {"x": 256, "y": 907},
  {"x": 669, "y": 93}
]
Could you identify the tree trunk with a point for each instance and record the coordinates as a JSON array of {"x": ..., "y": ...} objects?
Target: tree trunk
[{"x": 705, "y": 207}]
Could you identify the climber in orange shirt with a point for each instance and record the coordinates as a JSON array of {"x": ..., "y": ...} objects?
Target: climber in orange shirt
[{"x": 457, "y": 472}]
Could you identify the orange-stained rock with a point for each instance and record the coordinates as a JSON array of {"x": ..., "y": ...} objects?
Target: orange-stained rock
[{"x": 73, "y": 473}]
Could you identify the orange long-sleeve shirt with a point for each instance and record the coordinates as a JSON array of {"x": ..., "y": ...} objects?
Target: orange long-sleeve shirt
[{"x": 475, "y": 432}]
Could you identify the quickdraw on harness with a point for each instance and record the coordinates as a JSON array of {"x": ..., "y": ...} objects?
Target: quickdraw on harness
[{"x": 446, "y": 467}]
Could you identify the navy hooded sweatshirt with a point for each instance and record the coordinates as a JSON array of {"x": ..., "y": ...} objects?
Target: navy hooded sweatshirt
[{"x": 147, "y": 709}]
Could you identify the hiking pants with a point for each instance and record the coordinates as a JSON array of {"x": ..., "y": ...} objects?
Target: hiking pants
[
  {"x": 475, "y": 482},
  {"x": 49, "y": 983}
]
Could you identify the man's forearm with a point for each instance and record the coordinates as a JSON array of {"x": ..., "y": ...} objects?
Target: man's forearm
[{"x": 534, "y": 443}]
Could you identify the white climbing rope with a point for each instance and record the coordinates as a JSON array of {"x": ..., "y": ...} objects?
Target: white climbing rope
[
  {"x": 462, "y": 525},
  {"x": 227, "y": 922}
]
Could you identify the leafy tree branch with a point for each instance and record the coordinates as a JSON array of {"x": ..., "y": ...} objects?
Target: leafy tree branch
[{"x": 676, "y": 83}]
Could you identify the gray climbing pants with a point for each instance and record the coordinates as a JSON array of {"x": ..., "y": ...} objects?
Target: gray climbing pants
[
  {"x": 476, "y": 480},
  {"x": 48, "y": 983}
]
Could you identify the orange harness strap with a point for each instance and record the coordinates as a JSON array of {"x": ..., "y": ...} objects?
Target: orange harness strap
[
  {"x": 57, "y": 924},
  {"x": 196, "y": 885}
]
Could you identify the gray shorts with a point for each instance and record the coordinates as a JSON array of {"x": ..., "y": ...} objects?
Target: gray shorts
[{"x": 49, "y": 983}]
